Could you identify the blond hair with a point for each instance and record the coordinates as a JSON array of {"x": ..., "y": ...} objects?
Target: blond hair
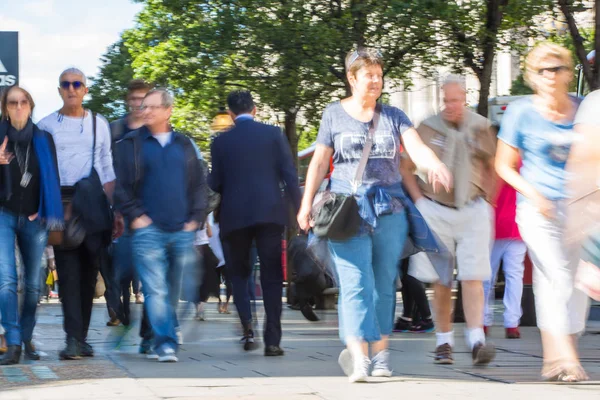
[
  {"x": 363, "y": 57},
  {"x": 541, "y": 52}
]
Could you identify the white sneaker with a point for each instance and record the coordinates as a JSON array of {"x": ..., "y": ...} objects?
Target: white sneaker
[
  {"x": 179, "y": 336},
  {"x": 167, "y": 355},
  {"x": 381, "y": 364},
  {"x": 151, "y": 355},
  {"x": 356, "y": 370}
]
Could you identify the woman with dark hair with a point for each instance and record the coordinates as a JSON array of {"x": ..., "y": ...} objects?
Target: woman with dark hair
[
  {"x": 366, "y": 263},
  {"x": 30, "y": 205}
]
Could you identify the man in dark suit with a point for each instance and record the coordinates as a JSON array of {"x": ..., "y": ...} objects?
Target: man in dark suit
[{"x": 250, "y": 163}]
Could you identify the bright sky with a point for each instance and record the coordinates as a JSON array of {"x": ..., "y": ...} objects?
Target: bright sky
[{"x": 57, "y": 34}]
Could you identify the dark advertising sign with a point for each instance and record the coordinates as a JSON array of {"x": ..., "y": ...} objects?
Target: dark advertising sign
[{"x": 9, "y": 59}]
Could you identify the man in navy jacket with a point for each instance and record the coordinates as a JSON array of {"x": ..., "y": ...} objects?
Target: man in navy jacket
[
  {"x": 251, "y": 163},
  {"x": 161, "y": 192}
]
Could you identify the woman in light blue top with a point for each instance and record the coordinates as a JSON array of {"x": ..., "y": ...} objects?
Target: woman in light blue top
[
  {"x": 539, "y": 129},
  {"x": 366, "y": 263}
]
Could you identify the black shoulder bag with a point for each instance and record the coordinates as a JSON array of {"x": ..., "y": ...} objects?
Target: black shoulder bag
[{"x": 336, "y": 216}]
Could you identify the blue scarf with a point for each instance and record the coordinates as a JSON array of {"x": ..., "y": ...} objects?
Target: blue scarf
[{"x": 51, "y": 209}]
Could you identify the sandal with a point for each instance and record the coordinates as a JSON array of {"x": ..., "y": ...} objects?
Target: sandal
[{"x": 564, "y": 371}]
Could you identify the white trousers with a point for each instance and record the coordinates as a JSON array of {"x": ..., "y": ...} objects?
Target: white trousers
[
  {"x": 560, "y": 308},
  {"x": 512, "y": 254}
]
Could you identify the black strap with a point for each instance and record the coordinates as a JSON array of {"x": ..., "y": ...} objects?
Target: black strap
[
  {"x": 360, "y": 170},
  {"x": 94, "y": 140}
]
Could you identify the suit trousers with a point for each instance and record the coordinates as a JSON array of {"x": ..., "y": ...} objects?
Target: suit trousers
[{"x": 237, "y": 245}]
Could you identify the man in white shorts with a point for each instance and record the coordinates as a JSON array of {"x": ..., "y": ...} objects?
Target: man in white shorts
[{"x": 462, "y": 218}]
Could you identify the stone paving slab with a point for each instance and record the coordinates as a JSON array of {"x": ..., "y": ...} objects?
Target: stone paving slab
[{"x": 213, "y": 366}]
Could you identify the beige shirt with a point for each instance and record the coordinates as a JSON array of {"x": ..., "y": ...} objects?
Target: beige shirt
[{"x": 467, "y": 151}]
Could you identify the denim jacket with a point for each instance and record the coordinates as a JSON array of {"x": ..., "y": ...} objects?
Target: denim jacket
[{"x": 376, "y": 201}]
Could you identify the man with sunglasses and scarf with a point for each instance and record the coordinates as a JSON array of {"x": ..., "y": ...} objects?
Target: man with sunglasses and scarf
[{"x": 72, "y": 129}]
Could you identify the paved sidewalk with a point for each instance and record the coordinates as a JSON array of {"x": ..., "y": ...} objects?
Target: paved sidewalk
[{"x": 213, "y": 366}]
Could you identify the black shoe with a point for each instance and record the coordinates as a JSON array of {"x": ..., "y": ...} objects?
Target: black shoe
[
  {"x": 86, "y": 349},
  {"x": 248, "y": 341},
  {"x": 273, "y": 351},
  {"x": 30, "y": 353},
  {"x": 12, "y": 356},
  {"x": 424, "y": 326},
  {"x": 309, "y": 313},
  {"x": 402, "y": 325},
  {"x": 145, "y": 346},
  {"x": 72, "y": 351}
]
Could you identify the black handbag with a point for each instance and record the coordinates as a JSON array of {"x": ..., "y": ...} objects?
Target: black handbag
[{"x": 336, "y": 216}]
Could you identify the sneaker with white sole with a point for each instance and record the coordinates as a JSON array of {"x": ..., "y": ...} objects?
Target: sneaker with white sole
[
  {"x": 151, "y": 355},
  {"x": 381, "y": 364},
  {"x": 356, "y": 370},
  {"x": 167, "y": 354}
]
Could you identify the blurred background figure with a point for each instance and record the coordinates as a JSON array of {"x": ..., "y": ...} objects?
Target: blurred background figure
[
  {"x": 508, "y": 249},
  {"x": 539, "y": 129},
  {"x": 584, "y": 185}
]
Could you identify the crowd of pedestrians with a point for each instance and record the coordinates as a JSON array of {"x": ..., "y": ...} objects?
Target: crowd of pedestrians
[{"x": 133, "y": 201}]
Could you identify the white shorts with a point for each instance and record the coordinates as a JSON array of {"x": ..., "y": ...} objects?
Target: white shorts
[{"x": 466, "y": 232}]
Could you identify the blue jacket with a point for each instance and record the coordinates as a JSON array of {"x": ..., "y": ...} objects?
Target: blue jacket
[
  {"x": 129, "y": 171},
  {"x": 249, "y": 164}
]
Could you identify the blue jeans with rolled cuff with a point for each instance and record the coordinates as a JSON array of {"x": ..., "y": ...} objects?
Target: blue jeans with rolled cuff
[
  {"x": 31, "y": 237},
  {"x": 366, "y": 269}
]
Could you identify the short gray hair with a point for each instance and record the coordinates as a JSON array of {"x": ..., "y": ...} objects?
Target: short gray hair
[
  {"x": 166, "y": 98},
  {"x": 454, "y": 79},
  {"x": 74, "y": 71}
]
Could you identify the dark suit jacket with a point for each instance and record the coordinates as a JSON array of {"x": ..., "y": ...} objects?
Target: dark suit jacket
[{"x": 249, "y": 164}]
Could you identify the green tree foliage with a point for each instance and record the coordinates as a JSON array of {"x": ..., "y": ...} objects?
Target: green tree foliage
[
  {"x": 520, "y": 87},
  {"x": 475, "y": 30},
  {"x": 108, "y": 89},
  {"x": 290, "y": 53}
]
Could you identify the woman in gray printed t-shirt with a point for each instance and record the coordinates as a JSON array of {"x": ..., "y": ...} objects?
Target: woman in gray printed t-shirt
[{"x": 367, "y": 263}]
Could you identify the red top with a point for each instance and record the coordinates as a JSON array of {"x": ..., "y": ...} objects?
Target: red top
[{"x": 506, "y": 212}]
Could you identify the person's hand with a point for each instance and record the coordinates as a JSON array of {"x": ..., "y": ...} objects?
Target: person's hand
[
  {"x": 439, "y": 177},
  {"x": 141, "y": 222},
  {"x": 544, "y": 206},
  {"x": 33, "y": 217},
  {"x": 191, "y": 226},
  {"x": 118, "y": 226},
  {"x": 304, "y": 218},
  {"x": 5, "y": 156}
]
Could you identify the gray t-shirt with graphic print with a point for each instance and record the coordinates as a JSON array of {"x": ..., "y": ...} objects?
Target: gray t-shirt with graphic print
[{"x": 347, "y": 136}]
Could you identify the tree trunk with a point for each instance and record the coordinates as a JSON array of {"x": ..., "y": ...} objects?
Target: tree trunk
[
  {"x": 485, "y": 81},
  {"x": 292, "y": 230},
  {"x": 578, "y": 42},
  {"x": 495, "y": 13},
  {"x": 291, "y": 133}
]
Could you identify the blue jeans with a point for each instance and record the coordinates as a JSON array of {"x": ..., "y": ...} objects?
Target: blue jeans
[
  {"x": 366, "y": 267},
  {"x": 160, "y": 258},
  {"x": 31, "y": 237}
]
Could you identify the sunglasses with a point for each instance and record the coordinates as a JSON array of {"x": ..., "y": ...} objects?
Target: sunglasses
[
  {"x": 554, "y": 70},
  {"x": 15, "y": 103},
  {"x": 76, "y": 85}
]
